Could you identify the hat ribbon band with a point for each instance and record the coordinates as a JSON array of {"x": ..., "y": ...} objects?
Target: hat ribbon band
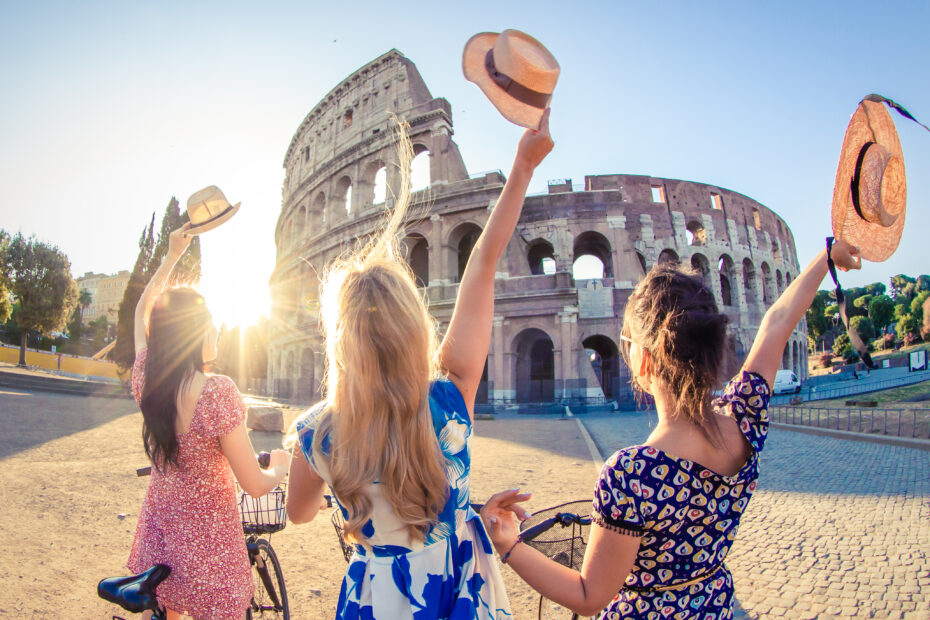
[
  {"x": 897, "y": 107},
  {"x": 516, "y": 90},
  {"x": 854, "y": 182},
  {"x": 854, "y": 338}
]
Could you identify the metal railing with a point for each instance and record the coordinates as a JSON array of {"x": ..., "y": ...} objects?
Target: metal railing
[
  {"x": 873, "y": 420},
  {"x": 820, "y": 392}
]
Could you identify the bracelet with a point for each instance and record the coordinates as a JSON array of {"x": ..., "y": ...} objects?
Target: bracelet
[{"x": 509, "y": 551}]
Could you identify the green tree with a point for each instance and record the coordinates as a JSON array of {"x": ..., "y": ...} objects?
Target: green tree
[
  {"x": 40, "y": 280},
  {"x": 84, "y": 300},
  {"x": 187, "y": 270},
  {"x": 124, "y": 351},
  {"x": 862, "y": 325},
  {"x": 841, "y": 345},
  {"x": 6, "y": 304},
  {"x": 925, "y": 328},
  {"x": 923, "y": 283},
  {"x": 876, "y": 288},
  {"x": 917, "y": 305},
  {"x": 881, "y": 311},
  {"x": 908, "y": 324},
  {"x": 861, "y": 305},
  {"x": 898, "y": 284},
  {"x": 816, "y": 317}
]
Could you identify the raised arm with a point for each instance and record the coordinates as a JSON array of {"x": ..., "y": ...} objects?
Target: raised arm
[
  {"x": 781, "y": 319},
  {"x": 177, "y": 245},
  {"x": 465, "y": 346}
]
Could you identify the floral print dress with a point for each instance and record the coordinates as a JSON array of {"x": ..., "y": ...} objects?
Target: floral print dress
[
  {"x": 189, "y": 518},
  {"x": 451, "y": 574},
  {"x": 686, "y": 514}
]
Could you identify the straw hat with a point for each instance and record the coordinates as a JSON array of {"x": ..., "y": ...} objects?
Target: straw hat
[
  {"x": 207, "y": 209},
  {"x": 515, "y": 71},
  {"x": 870, "y": 194}
]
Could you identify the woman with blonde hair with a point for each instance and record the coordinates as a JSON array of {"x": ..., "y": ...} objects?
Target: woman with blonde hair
[{"x": 392, "y": 434}]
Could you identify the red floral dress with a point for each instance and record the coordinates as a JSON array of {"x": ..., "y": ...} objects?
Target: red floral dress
[{"x": 189, "y": 518}]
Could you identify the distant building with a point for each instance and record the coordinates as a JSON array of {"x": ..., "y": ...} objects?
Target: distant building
[
  {"x": 106, "y": 292},
  {"x": 555, "y": 337}
]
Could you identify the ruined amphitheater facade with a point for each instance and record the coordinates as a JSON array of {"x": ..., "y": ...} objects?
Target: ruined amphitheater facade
[{"x": 555, "y": 337}]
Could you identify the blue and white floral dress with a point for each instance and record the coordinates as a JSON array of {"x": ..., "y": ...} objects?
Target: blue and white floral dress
[{"x": 452, "y": 573}]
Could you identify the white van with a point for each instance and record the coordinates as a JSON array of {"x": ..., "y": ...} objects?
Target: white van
[{"x": 786, "y": 382}]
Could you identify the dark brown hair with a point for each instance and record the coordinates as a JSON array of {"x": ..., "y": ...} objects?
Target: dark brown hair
[
  {"x": 673, "y": 315},
  {"x": 177, "y": 327}
]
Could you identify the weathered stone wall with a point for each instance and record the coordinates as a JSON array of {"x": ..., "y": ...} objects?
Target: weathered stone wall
[{"x": 555, "y": 338}]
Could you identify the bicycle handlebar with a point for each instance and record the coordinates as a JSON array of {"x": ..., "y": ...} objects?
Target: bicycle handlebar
[{"x": 562, "y": 518}]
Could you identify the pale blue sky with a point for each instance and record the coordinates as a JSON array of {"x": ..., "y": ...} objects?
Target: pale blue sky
[{"x": 109, "y": 108}]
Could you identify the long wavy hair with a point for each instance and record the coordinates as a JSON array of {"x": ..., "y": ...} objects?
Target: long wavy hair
[
  {"x": 381, "y": 345},
  {"x": 673, "y": 315},
  {"x": 178, "y": 325}
]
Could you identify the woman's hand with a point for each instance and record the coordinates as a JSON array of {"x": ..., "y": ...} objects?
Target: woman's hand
[
  {"x": 280, "y": 461},
  {"x": 179, "y": 240},
  {"x": 502, "y": 515},
  {"x": 534, "y": 145},
  {"x": 845, "y": 256}
]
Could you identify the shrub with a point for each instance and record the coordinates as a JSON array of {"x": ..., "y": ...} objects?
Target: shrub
[
  {"x": 911, "y": 338},
  {"x": 826, "y": 360}
]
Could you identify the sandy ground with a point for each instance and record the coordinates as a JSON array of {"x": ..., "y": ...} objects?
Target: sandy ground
[{"x": 68, "y": 472}]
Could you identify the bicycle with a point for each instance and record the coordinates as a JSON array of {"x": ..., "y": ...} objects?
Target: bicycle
[
  {"x": 537, "y": 532},
  {"x": 261, "y": 517}
]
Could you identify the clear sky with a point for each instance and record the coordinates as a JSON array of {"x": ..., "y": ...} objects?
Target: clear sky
[{"x": 107, "y": 109}]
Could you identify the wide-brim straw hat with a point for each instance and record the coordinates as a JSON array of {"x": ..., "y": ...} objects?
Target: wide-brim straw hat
[
  {"x": 207, "y": 209},
  {"x": 870, "y": 194},
  {"x": 515, "y": 71}
]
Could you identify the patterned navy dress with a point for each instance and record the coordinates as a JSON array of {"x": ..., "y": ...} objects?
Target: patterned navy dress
[
  {"x": 686, "y": 514},
  {"x": 451, "y": 574}
]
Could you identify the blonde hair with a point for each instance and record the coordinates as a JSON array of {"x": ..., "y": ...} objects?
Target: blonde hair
[{"x": 381, "y": 346}]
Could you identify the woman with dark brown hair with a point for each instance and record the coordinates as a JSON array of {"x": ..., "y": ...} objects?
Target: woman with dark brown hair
[
  {"x": 194, "y": 434},
  {"x": 666, "y": 512}
]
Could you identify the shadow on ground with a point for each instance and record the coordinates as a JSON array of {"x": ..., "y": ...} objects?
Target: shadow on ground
[{"x": 28, "y": 419}]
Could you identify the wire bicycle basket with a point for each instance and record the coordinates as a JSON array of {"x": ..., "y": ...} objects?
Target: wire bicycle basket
[
  {"x": 339, "y": 523},
  {"x": 263, "y": 515},
  {"x": 560, "y": 532}
]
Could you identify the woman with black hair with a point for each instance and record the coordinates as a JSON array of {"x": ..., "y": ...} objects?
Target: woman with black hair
[{"x": 195, "y": 436}]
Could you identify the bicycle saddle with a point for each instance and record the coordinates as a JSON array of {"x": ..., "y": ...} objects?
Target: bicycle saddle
[{"x": 135, "y": 593}]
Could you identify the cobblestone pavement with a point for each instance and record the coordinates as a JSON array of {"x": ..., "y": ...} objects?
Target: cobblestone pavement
[{"x": 837, "y": 528}]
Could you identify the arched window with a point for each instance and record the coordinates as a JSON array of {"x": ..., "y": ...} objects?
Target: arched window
[
  {"x": 749, "y": 280},
  {"x": 462, "y": 241},
  {"x": 595, "y": 245},
  {"x": 642, "y": 262},
  {"x": 725, "y": 266},
  {"x": 318, "y": 211},
  {"x": 541, "y": 258},
  {"x": 419, "y": 168},
  {"x": 380, "y": 185},
  {"x": 668, "y": 256},
  {"x": 778, "y": 283},
  {"x": 776, "y": 251},
  {"x": 695, "y": 233},
  {"x": 418, "y": 258},
  {"x": 756, "y": 219},
  {"x": 344, "y": 195},
  {"x": 768, "y": 283},
  {"x": 534, "y": 367},
  {"x": 700, "y": 264},
  {"x": 605, "y": 361}
]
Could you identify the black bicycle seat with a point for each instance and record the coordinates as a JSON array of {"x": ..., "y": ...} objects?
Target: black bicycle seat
[{"x": 135, "y": 593}]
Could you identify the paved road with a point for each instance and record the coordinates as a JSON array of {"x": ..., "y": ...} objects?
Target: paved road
[{"x": 836, "y": 528}]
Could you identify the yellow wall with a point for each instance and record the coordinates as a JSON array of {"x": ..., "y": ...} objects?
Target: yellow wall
[{"x": 69, "y": 363}]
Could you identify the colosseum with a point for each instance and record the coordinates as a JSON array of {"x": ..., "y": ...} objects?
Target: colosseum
[{"x": 555, "y": 335}]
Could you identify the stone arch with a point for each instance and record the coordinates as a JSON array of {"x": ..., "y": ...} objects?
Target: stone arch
[
  {"x": 779, "y": 286},
  {"x": 696, "y": 233},
  {"x": 592, "y": 243},
  {"x": 420, "y": 176},
  {"x": 541, "y": 257},
  {"x": 668, "y": 256},
  {"x": 700, "y": 264},
  {"x": 776, "y": 251},
  {"x": 725, "y": 267},
  {"x": 375, "y": 178},
  {"x": 642, "y": 263},
  {"x": 749, "y": 280},
  {"x": 534, "y": 366},
  {"x": 786, "y": 357},
  {"x": 461, "y": 242},
  {"x": 767, "y": 283},
  {"x": 795, "y": 359},
  {"x": 308, "y": 391},
  {"x": 301, "y": 222},
  {"x": 343, "y": 196},
  {"x": 318, "y": 210},
  {"x": 605, "y": 361},
  {"x": 418, "y": 258}
]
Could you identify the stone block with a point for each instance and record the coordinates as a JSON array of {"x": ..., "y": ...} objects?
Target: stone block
[{"x": 269, "y": 419}]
